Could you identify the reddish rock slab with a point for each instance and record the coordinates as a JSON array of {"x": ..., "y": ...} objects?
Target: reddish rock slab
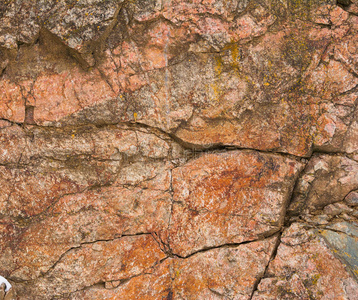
[
  {"x": 52, "y": 194},
  {"x": 227, "y": 272},
  {"x": 331, "y": 79},
  {"x": 110, "y": 143},
  {"x": 265, "y": 103},
  {"x": 95, "y": 83},
  {"x": 12, "y": 103},
  {"x": 305, "y": 268},
  {"x": 346, "y": 53},
  {"x": 21, "y": 146},
  {"x": 29, "y": 191},
  {"x": 229, "y": 198},
  {"x": 222, "y": 273},
  {"x": 116, "y": 143},
  {"x": 192, "y": 69},
  {"x": 101, "y": 214},
  {"x": 12, "y": 144},
  {"x": 152, "y": 285},
  {"x": 97, "y": 262},
  {"x": 326, "y": 179},
  {"x": 70, "y": 92}
]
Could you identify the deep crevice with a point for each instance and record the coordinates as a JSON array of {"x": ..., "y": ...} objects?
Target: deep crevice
[{"x": 272, "y": 257}]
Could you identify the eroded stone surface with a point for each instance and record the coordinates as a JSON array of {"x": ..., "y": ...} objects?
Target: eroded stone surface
[
  {"x": 325, "y": 180},
  {"x": 57, "y": 191},
  {"x": 193, "y": 70},
  {"x": 75, "y": 22},
  {"x": 98, "y": 262},
  {"x": 229, "y": 198},
  {"x": 343, "y": 238},
  {"x": 305, "y": 268},
  {"x": 215, "y": 274},
  {"x": 123, "y": 129}
]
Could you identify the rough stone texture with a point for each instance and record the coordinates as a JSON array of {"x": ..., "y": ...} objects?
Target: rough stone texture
[
  {"x": 215, "y": 274},
  {"x": 93, "y": 263},
  {"x": 305, "y": 268},
  {"x": 229, "y": 198},
  {"x": 166, "y": 149},
  {"x": 191, "y": 69},
  {"x": 325, "y": 180},
  {"x": 352, "y": 198},
  {"x": 343, "y": 238}
]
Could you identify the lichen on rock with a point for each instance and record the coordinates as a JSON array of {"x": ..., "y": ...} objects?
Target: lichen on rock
[{"x": 179, "y": 149}]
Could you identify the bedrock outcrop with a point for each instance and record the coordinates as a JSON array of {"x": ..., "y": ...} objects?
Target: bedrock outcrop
[{"x": 165, "y": 149}]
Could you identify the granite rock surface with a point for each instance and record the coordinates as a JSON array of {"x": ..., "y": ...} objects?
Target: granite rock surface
[{"x": 166, "y": 149}]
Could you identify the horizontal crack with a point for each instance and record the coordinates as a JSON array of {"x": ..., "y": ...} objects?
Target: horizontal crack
[
  {"x": 192, "y": 147},
  {"x": 229, "y": 245},
  {"x": 78, "y": 247}
]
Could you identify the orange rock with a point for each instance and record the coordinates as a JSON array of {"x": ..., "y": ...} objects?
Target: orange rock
[
  {"x": 305, "y": 268},
  {"x": 154, "y": 284},
  {"x": 224, "y": 272},
  {"x": 103, "y": 106},
  {"x": 12, "y": 104},
  {"x": 101, "y": 261},
  {"x": 70, "y": 92},
  {"x": 229, "y": 198},
  {"x": 327, "y": 179},
  {"x": 86, "y": 217}
]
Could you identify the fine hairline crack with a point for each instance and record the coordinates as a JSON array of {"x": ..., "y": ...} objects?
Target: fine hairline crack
[
  {"x": 80, "y": 245},
  {"x": 101, "y": 284}
]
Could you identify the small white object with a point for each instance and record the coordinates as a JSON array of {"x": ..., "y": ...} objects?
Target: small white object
[{"x": 7, "y": 284}]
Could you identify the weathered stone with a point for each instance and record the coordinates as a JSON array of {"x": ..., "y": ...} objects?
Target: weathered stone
[
  {"x": 353, "y": 8},
  {"x": 52, "y": 190},
  {"x": 153, "y": 284},
  {"x": 326, "y": 179},
  {"x": 229, "y": 198},
  {"x": 149, "y": 149},
  {"x": 13, "y": 144},
  {"x": 222, "y": 273},
  {"x": 229, "y": 272},
  {"x": 337, "y": 208},
  {"x": 319, "y": 220},
  {"x": 343, "y": 238},
  {"x": 231, "y": 89},
  {"x": 305, "y": 268},
  {"x": 352, "y": 198},
  {"x": 77, "y": 23},
  {"x": 98, "y": 262},
  {"x": 12, "y": 104},
  {"x": 84, "y": 218}
]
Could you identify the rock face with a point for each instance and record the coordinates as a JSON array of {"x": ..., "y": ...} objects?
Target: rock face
[
  {"x": 229, "y": 198},
  {"x": 179, "y": 149},
  {"x": 305, "y": 268}
]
